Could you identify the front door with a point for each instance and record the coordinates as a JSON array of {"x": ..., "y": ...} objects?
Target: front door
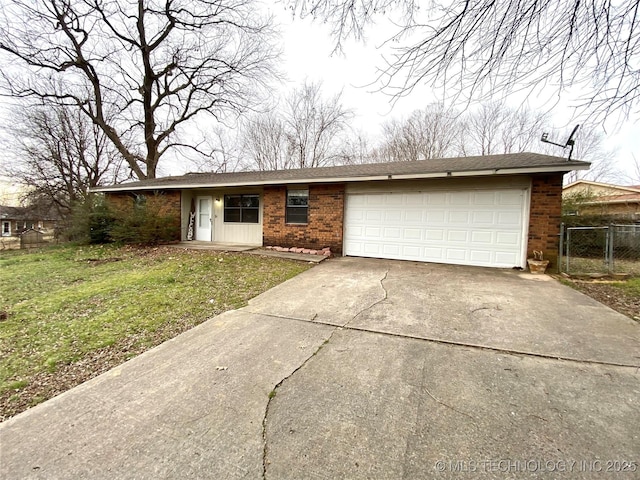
[{"x": 203, "y": 219}]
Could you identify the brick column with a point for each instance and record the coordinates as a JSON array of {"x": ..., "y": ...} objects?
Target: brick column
[{"x": 545, "y": 215}]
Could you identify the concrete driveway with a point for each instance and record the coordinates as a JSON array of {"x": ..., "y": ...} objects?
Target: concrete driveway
[{"x": 361, "y": 368}]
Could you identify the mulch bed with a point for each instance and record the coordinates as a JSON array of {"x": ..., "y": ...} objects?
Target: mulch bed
[{"x": 606, "y": 293}]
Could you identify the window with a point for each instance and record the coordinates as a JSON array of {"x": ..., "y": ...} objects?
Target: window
[
  {"x": 297, "y": 206},
  {"x": 241, "y": 208},
  {"x": 139, "y": 201}
]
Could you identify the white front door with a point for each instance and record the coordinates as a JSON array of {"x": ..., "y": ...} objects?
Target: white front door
[{"x": 203, "y": 218}]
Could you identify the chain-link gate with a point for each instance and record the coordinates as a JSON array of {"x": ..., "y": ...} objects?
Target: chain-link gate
[{"x": 610, "y": 249}]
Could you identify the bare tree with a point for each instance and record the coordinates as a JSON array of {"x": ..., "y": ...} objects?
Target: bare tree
[
  {"x": 633, "y": 176},
  {"x": 60, "y": 155},
  {"x": 307, "y": 132},
  {"x": 483, "y": 46},
  {"x": 427, "y": 133},
  {"x": 357, "y": 149},
  {"x": 267, "y": 142},
  {"x": 314, "y": 125},
  {"x": 157, "y": 65},
  {"x": 219, "y": 151},
  {"x": 497, "y": 128}
]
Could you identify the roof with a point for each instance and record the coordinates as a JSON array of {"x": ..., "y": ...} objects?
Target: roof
[
  {"x": 607, "y": 192},
  {"x": 24, "y": 213},
  {"x": 621, "y": 188},
  {"x": 505, "y": 164},
  {"x": 8, "y": 212}
]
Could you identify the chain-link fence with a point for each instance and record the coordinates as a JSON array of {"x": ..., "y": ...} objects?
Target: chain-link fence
[{"x": 610, "y": 249}]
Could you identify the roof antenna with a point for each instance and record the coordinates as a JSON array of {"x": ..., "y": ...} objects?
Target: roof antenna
[{"x": 570, "y": 141}]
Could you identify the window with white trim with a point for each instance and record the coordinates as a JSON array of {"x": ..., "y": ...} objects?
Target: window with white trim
[
  {"x": 297, "y": 206},
  {"x": 242, "y": 208}
]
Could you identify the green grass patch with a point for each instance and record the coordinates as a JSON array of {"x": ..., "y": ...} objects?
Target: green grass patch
[
  {"x": 631, "y": 287},
  {"x": 65, "y": 303}
]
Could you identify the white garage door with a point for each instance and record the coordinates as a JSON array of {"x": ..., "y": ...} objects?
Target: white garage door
[{"x": 474, "y": 227}]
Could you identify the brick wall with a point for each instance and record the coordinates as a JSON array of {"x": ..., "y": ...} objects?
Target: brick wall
[
  {"x": 544, "y": 220},
  {"x": 326, "y": 215}
]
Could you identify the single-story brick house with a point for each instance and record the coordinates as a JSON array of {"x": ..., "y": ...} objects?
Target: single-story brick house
[
  {"x": 16, "y": 220},
  {"x": 491, "y": 210}
]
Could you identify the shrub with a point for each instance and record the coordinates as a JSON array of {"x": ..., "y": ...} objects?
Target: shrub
[{"x": 144, "y": 224}]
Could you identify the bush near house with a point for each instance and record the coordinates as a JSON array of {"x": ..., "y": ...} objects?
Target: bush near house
[
  {"x": 143, "y": 225},
  {"x": 143, "y": 219}
]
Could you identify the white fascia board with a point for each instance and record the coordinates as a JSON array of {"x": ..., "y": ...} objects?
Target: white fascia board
[
  {"x": 609, "y": 202},
  {"x": 410, "y": 176},
  {"x": 125, "y": 188}
]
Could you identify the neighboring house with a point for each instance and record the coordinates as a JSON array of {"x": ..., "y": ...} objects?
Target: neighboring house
[
  {"x": 15, "y": 220},
  {"x": 487, "y": 211},
  {"x": 604, "y": 199}
]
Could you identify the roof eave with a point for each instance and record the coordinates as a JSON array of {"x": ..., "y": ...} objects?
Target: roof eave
[{"x": 350, "y": 179}]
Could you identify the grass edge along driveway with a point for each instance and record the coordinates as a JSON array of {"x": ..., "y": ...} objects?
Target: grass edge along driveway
[{"x": 74, "y": 312}]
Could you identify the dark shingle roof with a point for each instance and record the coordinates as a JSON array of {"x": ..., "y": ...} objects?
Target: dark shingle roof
[{"x": 457, "y": 166}]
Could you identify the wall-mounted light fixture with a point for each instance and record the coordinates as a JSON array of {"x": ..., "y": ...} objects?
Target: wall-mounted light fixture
[{"x": 217, "y": 199}]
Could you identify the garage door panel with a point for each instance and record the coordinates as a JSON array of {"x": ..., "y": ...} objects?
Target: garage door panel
[
  {"x": 506, "y": 258},
  {"x": 457, "y": 254},
  {"x": 393, "y": 216},
  {"x": 373, "y": 215},
  {"x": 509, "y": 219},
  {"x": 484, "y": 198},
  {"x": 437, "y": 216},
  {"x": 510, "y": 198},
  {"x": 482, "y": 237},
  {"x": 393, "y": 200},
  {"x": 462, "y": 227},
  {"x": 412, "y": 234},
  {"x": 460, "y": 198},
  {"x": 457, "y": 236},
  {"x": 510, "y": 239},
  {"x": 437, "y": 198},
  {"x": 393, "y": 233},
  {"x": 434, "y": 235},
  {"x": 357, "y": 231},
  {"x": 411, "y": 251},
  {"x": 483, "y": 218},
  {"x": 413, "y": 216},
  {"x": 391, "y": 249},
  {"x": 373, "y": 232},
  {"x": 372, "y": 248},
  {"x": 413, "y": 199},
  {"x": 480, "y": 256},
  {"x": 459, "y": 217}
]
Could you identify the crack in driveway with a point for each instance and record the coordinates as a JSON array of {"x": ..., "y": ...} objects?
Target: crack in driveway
[
  {"x": 377, "y": 302},
  {"x": 273, "y": 392}
]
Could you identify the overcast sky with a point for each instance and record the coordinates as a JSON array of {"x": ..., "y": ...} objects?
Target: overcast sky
[
  {"x": 307, "y": 55},
  {"x": 307, "y": 48}
]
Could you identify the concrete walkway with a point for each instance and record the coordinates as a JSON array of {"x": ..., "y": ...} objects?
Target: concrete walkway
[{"x": 361, "y": 369}]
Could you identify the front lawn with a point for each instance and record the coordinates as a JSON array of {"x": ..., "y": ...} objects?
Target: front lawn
[{"x": 71, "y": 313}]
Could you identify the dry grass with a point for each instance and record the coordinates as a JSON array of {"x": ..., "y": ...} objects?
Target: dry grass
[{"x": 71, "y": 313}]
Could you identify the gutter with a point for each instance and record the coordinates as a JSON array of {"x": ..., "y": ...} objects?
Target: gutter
[{"x": 415, "y": 176}]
